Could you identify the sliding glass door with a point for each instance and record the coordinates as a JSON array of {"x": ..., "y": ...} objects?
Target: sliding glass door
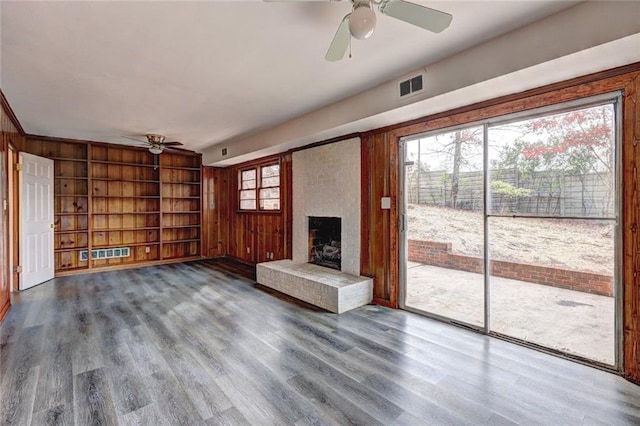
[
  {"x": 445, "y": 203},
  {"x": 511, "y": 227}
]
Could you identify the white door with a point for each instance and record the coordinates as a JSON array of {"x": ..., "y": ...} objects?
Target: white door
[{"x": 36, "y": 226}]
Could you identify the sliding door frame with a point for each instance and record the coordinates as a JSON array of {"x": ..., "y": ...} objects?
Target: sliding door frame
[{"x": 614, "y": 98}]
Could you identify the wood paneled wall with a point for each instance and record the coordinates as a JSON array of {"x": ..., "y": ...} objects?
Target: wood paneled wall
[
  {"x": 215, "y": 211},
  {"x": 246, "y": 236},
  {"x": 631, "y": 221},
  {"x": 10, "y": 133},
  {"x": 380, "y": 257}
]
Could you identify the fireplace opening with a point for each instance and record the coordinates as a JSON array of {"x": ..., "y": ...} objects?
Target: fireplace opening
[{"x": 324, "y": 241}]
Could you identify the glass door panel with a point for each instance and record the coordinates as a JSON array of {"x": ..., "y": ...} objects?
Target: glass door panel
[
  {"x": 552, "y": 284},
  {"x": 552, "y": 231},
  {"x": 445, "y": 228}
]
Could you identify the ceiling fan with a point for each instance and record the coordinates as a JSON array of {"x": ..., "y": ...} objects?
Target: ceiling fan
[
  {"x": 361, "y": 22},
  {"x": 157, "y": 145}
]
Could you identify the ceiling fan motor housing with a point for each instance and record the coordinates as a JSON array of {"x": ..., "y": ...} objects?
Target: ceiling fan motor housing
[
  {"x": 362, "y": 21},
  {"x": 155, "y": 139}
]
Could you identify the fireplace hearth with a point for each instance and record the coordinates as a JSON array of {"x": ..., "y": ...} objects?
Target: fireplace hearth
[{"x": 325, "y": 241}]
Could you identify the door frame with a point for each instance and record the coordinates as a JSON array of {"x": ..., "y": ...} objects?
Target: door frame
[
  {"x": 616, "y": 98},
  {"x": 14, "y": 218},
  {"x": 20, "y": 221}
]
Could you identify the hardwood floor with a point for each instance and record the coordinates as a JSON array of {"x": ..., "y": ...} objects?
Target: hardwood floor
[{"x": 191, "y": 344}]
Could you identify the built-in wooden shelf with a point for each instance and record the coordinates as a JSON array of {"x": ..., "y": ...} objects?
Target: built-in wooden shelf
[
  {"x": 125, "y": 196},
  {"x": 182, "y": 183},
  {"x": 125, "y": 229},
  {"x": 121, "y": 213},
  {"x": 126, "y": 180},
  {"x": 111, "y": 196},
  {"x": 79, "y": 160},
  {"x": 147, "y": 243},
  {"x": 183, "y": 212},
  {"x": 197, "y": 169},
  {"x": 70, "y": 249},
  {"x": 123, "y": 163}
]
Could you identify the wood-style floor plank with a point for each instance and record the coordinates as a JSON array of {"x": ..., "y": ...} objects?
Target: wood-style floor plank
[
  {"x": 198, "y": 344},
  {"x": 92, "y": 400},
  {"x": 60, "y": 415}
]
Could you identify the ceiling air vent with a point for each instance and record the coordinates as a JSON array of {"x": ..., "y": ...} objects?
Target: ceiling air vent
[{"x": 411, "y": 86}]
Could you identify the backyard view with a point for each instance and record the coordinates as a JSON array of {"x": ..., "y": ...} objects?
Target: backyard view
[
  {"x": 551, "y": 218},
  {"x": 580, "y": 245}
]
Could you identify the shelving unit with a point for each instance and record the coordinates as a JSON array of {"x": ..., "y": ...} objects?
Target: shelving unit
[
  {"x": 117, "y": 205},
  {"x": 181, "y": 206},
  {"x": 125, "y": 209}
]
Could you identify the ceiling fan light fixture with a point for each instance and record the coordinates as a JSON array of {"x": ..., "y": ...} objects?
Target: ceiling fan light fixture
[
  {"x": 155, "y": 149},
  {"x": 362, "y": 21}
]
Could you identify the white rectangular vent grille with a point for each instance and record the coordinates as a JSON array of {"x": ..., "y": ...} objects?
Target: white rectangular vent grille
[
  {"x": 411, "y": 86},
  {"x": 106, "y": 253}
]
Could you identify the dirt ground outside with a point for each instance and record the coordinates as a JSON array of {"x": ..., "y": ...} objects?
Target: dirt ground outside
[{"x": 582, "y": 245}]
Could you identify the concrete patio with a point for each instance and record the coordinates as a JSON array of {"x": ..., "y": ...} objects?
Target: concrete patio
[{"x": 573, "y": 322}]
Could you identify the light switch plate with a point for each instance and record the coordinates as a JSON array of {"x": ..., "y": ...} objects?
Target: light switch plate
[{"x": 385, "y": 203}]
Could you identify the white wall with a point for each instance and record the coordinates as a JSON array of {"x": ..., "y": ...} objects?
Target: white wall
[
  {"x": 326, "y": 182},
  {"x": 589, "y": 37}
]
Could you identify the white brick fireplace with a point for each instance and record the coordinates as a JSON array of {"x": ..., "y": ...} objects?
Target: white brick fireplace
[{"x": 326, "y": 182}]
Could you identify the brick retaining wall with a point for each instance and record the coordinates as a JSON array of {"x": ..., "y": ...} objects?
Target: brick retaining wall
[{"x": 439, "y": 254}]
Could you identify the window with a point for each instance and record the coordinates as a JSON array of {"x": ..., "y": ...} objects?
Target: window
[{"x": 259, "y": 188}]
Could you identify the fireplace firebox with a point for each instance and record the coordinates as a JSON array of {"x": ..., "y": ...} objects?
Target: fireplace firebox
[{"x": 324, "y": 241}]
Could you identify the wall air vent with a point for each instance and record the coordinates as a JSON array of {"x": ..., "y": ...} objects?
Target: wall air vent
[
  {"x": 411, "y": 86},
  {"x": 106, "y": 253}
]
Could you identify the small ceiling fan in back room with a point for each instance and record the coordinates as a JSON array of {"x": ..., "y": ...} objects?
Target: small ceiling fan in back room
[
  {"x": 157, "y": 144},
  {"x": 361, "y": 22}
]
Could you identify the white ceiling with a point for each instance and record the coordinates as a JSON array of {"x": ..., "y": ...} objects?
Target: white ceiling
[{"x": 206, "y": 73}]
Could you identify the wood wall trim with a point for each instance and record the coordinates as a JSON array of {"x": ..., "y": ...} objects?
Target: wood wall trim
[
  {"x": 631, "y": 237},
  {"x": 287, "y": 200},
  {"x": 15, "y": 206},
  {"x": 4, "y": 103}
]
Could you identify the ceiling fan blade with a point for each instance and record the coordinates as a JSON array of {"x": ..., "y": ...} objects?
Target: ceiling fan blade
[
  {"x": 423, "y": 17},
  {"x": 340, "y": 41},
  {"x": 172, "y": 143}
]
